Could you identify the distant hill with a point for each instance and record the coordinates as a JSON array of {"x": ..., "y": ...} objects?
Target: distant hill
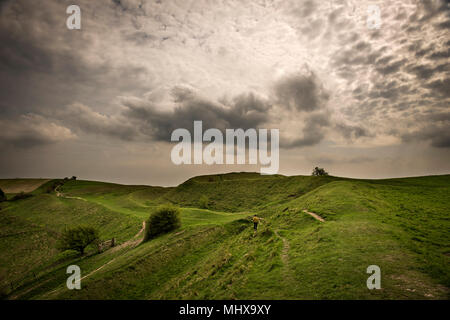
[
  {"x": 401, "y": 225},
  {"x": 19, "y": 185}
]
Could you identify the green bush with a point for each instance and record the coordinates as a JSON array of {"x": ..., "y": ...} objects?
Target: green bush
[
  {"x": 164, "y": 219},
  {"x": 78, "y": 238},
  {"x": 204, "y": 202},
  {"x": 51, "y": 187},
  {"x": 2, "y": 196}
]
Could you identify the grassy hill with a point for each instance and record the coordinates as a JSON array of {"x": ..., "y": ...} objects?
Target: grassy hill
[{"x": 401, "y": 225}]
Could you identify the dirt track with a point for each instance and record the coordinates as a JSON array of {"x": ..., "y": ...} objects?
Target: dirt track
[{"x": 315, "y": 216}]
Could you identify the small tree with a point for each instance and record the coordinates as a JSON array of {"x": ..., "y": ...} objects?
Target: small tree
[
  {"x": 2, "y": 196},
  {"x": 319, "y": 172},
  {"x": 73, "y": 178},
  {"x": 164, "y": 219},
  {"x": 78, "y": 238}
]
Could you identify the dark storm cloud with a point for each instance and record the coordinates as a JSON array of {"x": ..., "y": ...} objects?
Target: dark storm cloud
[
  {"x": 425, "y": 72},
  {"x": 43, "y": 65},
  {"x": 440, "y": 55},
  {"x": 301, "y": 93},
  {"x": 432, "y": 126},
  {"x": 444, "y": 25},
  {"x": 440, "y": 87},
  {"x": 391, "y": 67},
  {"x": 439, "y": 136},
  {"x": 392, "y": 90},
  {"x": 313, "y": 132},
  {"x": 244, "y": 111},
  {"x": 359, "y": 54},
  {"x": 83, "y": 119},
  {"x": 143, "y": 121},
  {"x": 29, "y": 44},
  {"x": 425, "y": 11}
]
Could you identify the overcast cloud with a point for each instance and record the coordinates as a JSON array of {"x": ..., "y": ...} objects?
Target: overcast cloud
[{"x": 101, "y": 102}]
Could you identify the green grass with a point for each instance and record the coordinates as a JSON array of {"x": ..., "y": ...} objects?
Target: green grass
[{"x": 400, "y": 225}]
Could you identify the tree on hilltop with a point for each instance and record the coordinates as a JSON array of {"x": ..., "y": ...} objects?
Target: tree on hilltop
[{"x": 319, "y": 172}]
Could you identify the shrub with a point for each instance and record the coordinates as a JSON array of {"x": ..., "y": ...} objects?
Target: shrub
[
  {"x": 204, "y": 202},
  {"x": 77, "y": 238},
  {"x": 319, "y": 172},
  {"x": 21, "y": 195},
  {"x": 2, "y": 196},
  {"x": 52, "y": 185},
  {"x": 163, "y": 220}
]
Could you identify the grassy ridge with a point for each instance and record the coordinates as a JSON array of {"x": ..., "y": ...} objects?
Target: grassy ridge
[
  {"x": 400, "y": 225},
  {"x": 252, "y": 192}
]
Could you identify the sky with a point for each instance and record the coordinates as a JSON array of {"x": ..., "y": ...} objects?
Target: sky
[{"x": 101, "y": 102}]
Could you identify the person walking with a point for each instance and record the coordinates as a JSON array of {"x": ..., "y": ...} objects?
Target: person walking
[{"x": 256, "y": 220}]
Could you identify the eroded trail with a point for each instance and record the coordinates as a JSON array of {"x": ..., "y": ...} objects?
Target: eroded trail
[
  {"x": 60, "y": 194},
  {"x": 315, "y": 216},
  {"x": 133, "y": 241},
  {"x": 285, "y": 250},
  {"x": 287, "y": 276}
]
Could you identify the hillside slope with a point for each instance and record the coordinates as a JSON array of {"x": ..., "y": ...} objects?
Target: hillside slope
[{"x": 401, "y": 225}]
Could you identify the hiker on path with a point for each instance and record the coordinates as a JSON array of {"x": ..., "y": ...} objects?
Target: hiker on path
[{"x": 256, "y": 220}]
